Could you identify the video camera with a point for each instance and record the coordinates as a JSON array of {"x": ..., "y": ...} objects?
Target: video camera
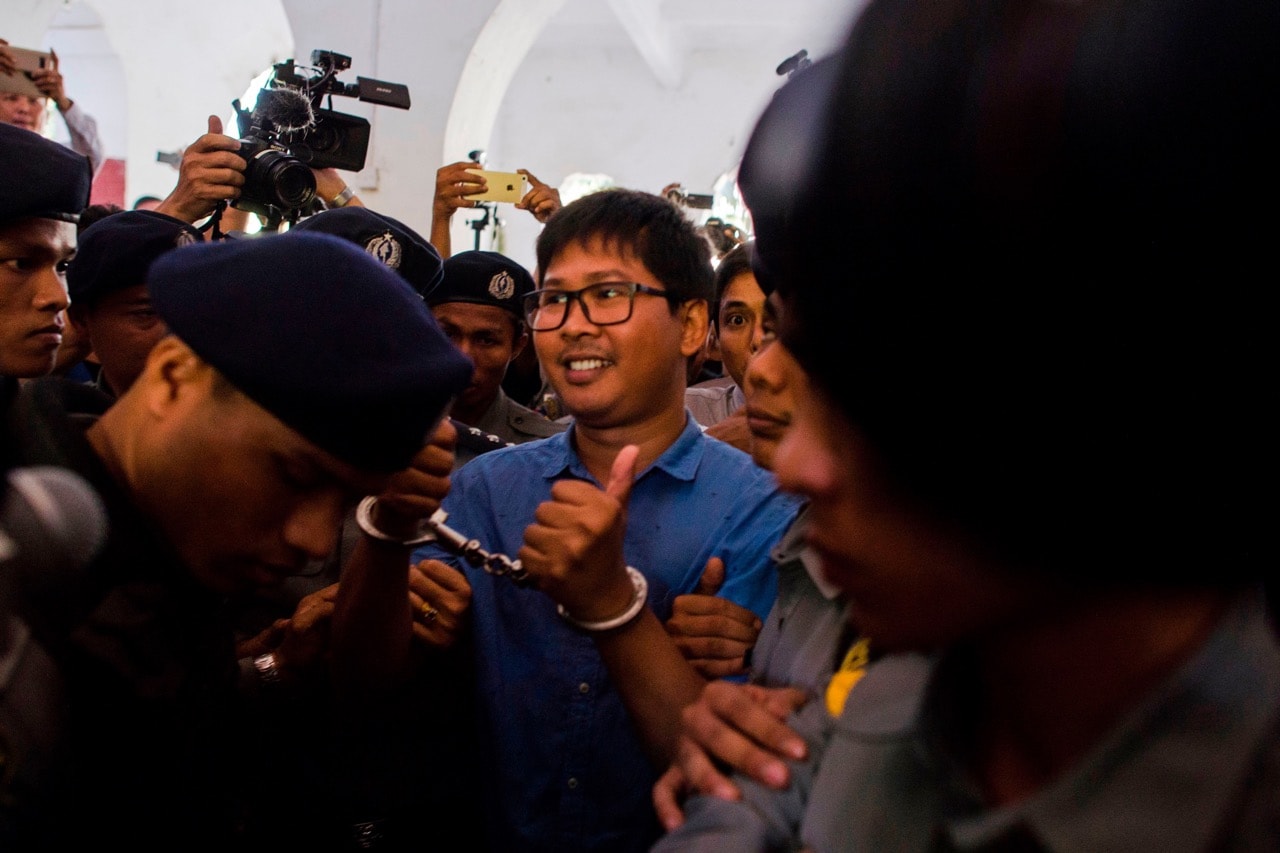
[
  {"x": 676, "y": 194},
  {"x": 288, "y": 133}
]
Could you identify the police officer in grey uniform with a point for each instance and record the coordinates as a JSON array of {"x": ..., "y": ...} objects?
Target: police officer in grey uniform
[{"x": 478, "y": 307}]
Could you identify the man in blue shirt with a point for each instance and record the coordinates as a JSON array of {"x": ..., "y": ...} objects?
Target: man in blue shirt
[{"x": 580, "y": 687}]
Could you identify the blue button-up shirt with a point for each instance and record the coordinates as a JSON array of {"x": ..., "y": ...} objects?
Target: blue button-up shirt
[{"x": 570, "y": 772}]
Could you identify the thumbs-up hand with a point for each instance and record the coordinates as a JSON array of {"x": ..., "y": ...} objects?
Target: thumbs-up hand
[
  {"x": 713, "y": 633},
  {"x": 573, "y": 549}
]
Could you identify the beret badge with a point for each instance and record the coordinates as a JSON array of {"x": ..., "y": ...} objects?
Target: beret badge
[
  {"x": 386, "y": 248},
  {"x": 502, "y": 286}
]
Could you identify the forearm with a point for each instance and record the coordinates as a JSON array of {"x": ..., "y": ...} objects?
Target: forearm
[
  {"x": 764, "y": 818},
  {"x": 83, "y": 129},
  {"x": 372, "y": 623},
  {"x": 654, "y": 680},
  {"x": 440, "y": 236}
]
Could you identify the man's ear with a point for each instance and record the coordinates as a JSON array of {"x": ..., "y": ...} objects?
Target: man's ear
[
  {"x": 522, "y": 341},
  {"x": 172, "y": 370},
  {"x": 696, "y": 323}
]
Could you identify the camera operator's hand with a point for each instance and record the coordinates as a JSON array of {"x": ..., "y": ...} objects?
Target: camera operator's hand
[
  {"x": 211, "y": 171},
  {"x": 453, "y": 182},
  {"x": 542, "y": 201}
]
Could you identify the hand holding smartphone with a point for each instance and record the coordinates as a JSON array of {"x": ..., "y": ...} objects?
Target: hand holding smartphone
[
  {"x": 25, "y": 61},
  {"x": 502, "y": 186}
]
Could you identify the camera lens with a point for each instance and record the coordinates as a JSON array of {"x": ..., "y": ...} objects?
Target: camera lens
[
  {"x": 324, "y": 138},
  {"x": 283, "y": 180}
]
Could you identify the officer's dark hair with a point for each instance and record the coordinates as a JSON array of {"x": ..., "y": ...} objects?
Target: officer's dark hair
[
  {"x": 639, "y": 223},
  {"x": 93, "y": 213}
]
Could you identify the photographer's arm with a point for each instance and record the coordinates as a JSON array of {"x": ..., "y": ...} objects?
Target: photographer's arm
[
  {"x": 332, "y": 189},
  {"x": 211, "y": 171},
  {"x": 453, "y": 182},
  {"x": 81, "y": 126}
]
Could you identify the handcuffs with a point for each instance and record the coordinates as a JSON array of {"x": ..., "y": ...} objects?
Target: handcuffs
[
  {"x": 498, "y": 565},
  {"x": 434, "y": 528}
]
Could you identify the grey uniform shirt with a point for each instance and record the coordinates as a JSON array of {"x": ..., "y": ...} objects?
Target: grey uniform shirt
[
  {"x": 1195, "y": 767},
  {"x": 510, "y": 423},
  {"x": 799, "y": 642}
]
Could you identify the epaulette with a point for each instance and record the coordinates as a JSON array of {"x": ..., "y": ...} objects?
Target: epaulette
[{"x": 477, "y": 440}]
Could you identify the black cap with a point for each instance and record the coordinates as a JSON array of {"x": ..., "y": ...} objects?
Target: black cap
[
  {"x": 40, "y": 178},
  {"x": 777, "y": 160},
  {"x": 320, "y": 335},
  {"x": 116, "y": 251},
  {"x": 393, "y": 243},
  {"x": 486, "y": 278}
]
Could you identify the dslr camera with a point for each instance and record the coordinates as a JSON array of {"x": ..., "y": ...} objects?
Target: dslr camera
[{"x": 288, "y": 133}]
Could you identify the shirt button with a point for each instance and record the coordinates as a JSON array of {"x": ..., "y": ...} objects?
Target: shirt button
[
  {"x": 584, "y": 687},
  {"x": 573, "y": 783}
]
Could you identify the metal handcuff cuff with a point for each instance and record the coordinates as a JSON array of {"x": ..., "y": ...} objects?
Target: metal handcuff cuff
[{"x": 434, "y": 529}]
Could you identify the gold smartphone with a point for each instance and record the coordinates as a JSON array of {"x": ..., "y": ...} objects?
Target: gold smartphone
[
  {"x": 27, "y": 61},
  {"x": 503, "y": 186}
]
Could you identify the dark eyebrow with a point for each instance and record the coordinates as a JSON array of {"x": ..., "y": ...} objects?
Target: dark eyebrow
[{"x": 598, "y": 277}]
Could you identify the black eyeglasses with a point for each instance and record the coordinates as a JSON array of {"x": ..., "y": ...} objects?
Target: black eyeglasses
[{"x": 605, "y": 304}]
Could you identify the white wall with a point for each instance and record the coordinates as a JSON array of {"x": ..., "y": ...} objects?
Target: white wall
[{"x": 584, "y": 99}]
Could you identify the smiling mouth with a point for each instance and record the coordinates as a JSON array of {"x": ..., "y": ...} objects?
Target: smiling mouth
[{"x": 587, "y": 363}]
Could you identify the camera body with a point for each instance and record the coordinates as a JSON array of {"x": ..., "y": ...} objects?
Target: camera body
[{"x": 288, "y": 133}]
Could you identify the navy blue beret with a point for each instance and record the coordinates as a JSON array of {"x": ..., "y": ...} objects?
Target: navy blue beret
[
  {"x": 319, "y": 334},
  {"x": 486, "y": 278},
  {"x": 392, "y": 242},
  {"x": 116, "y": 251},
  {"x": 40, "y": 178}
]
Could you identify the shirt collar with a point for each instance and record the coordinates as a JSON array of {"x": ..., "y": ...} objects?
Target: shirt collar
[
  {"x": 679, "y": 461},
  {"x": 792, "y": 548}
]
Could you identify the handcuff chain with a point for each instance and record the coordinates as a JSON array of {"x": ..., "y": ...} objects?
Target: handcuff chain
[{"x": 496, "y": 564}]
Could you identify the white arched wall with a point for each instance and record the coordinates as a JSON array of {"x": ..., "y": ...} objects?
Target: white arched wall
[
  {"x": 175, "y": 81},
  {"x": 503, "y": 44},
  {"x": 23, "y": 22}
]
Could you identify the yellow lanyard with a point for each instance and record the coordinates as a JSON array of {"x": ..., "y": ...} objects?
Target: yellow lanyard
[{"x": 851, "y": 669}]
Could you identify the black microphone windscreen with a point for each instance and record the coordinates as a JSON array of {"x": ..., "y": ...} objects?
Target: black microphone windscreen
[{"x": 288, "y": 110}]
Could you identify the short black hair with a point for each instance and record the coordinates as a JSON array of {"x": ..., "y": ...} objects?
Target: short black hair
[
  {"x": 93, "y": 213},
  {"x": 736, "y": 262},
  {"x": 652, "y": 228}
]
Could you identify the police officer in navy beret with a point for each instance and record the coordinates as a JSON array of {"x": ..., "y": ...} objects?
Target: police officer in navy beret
[
  {"x": 110, "y": 305},
  {"x": 478, "y": 307},
  {"x": 298, "y": 375},
  {"x": 43, "y": 188},
  {"x": 389, "y": 240}
]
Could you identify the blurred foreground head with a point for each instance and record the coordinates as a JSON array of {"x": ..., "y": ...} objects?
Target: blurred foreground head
[{"x": 1018, "y": 245}]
